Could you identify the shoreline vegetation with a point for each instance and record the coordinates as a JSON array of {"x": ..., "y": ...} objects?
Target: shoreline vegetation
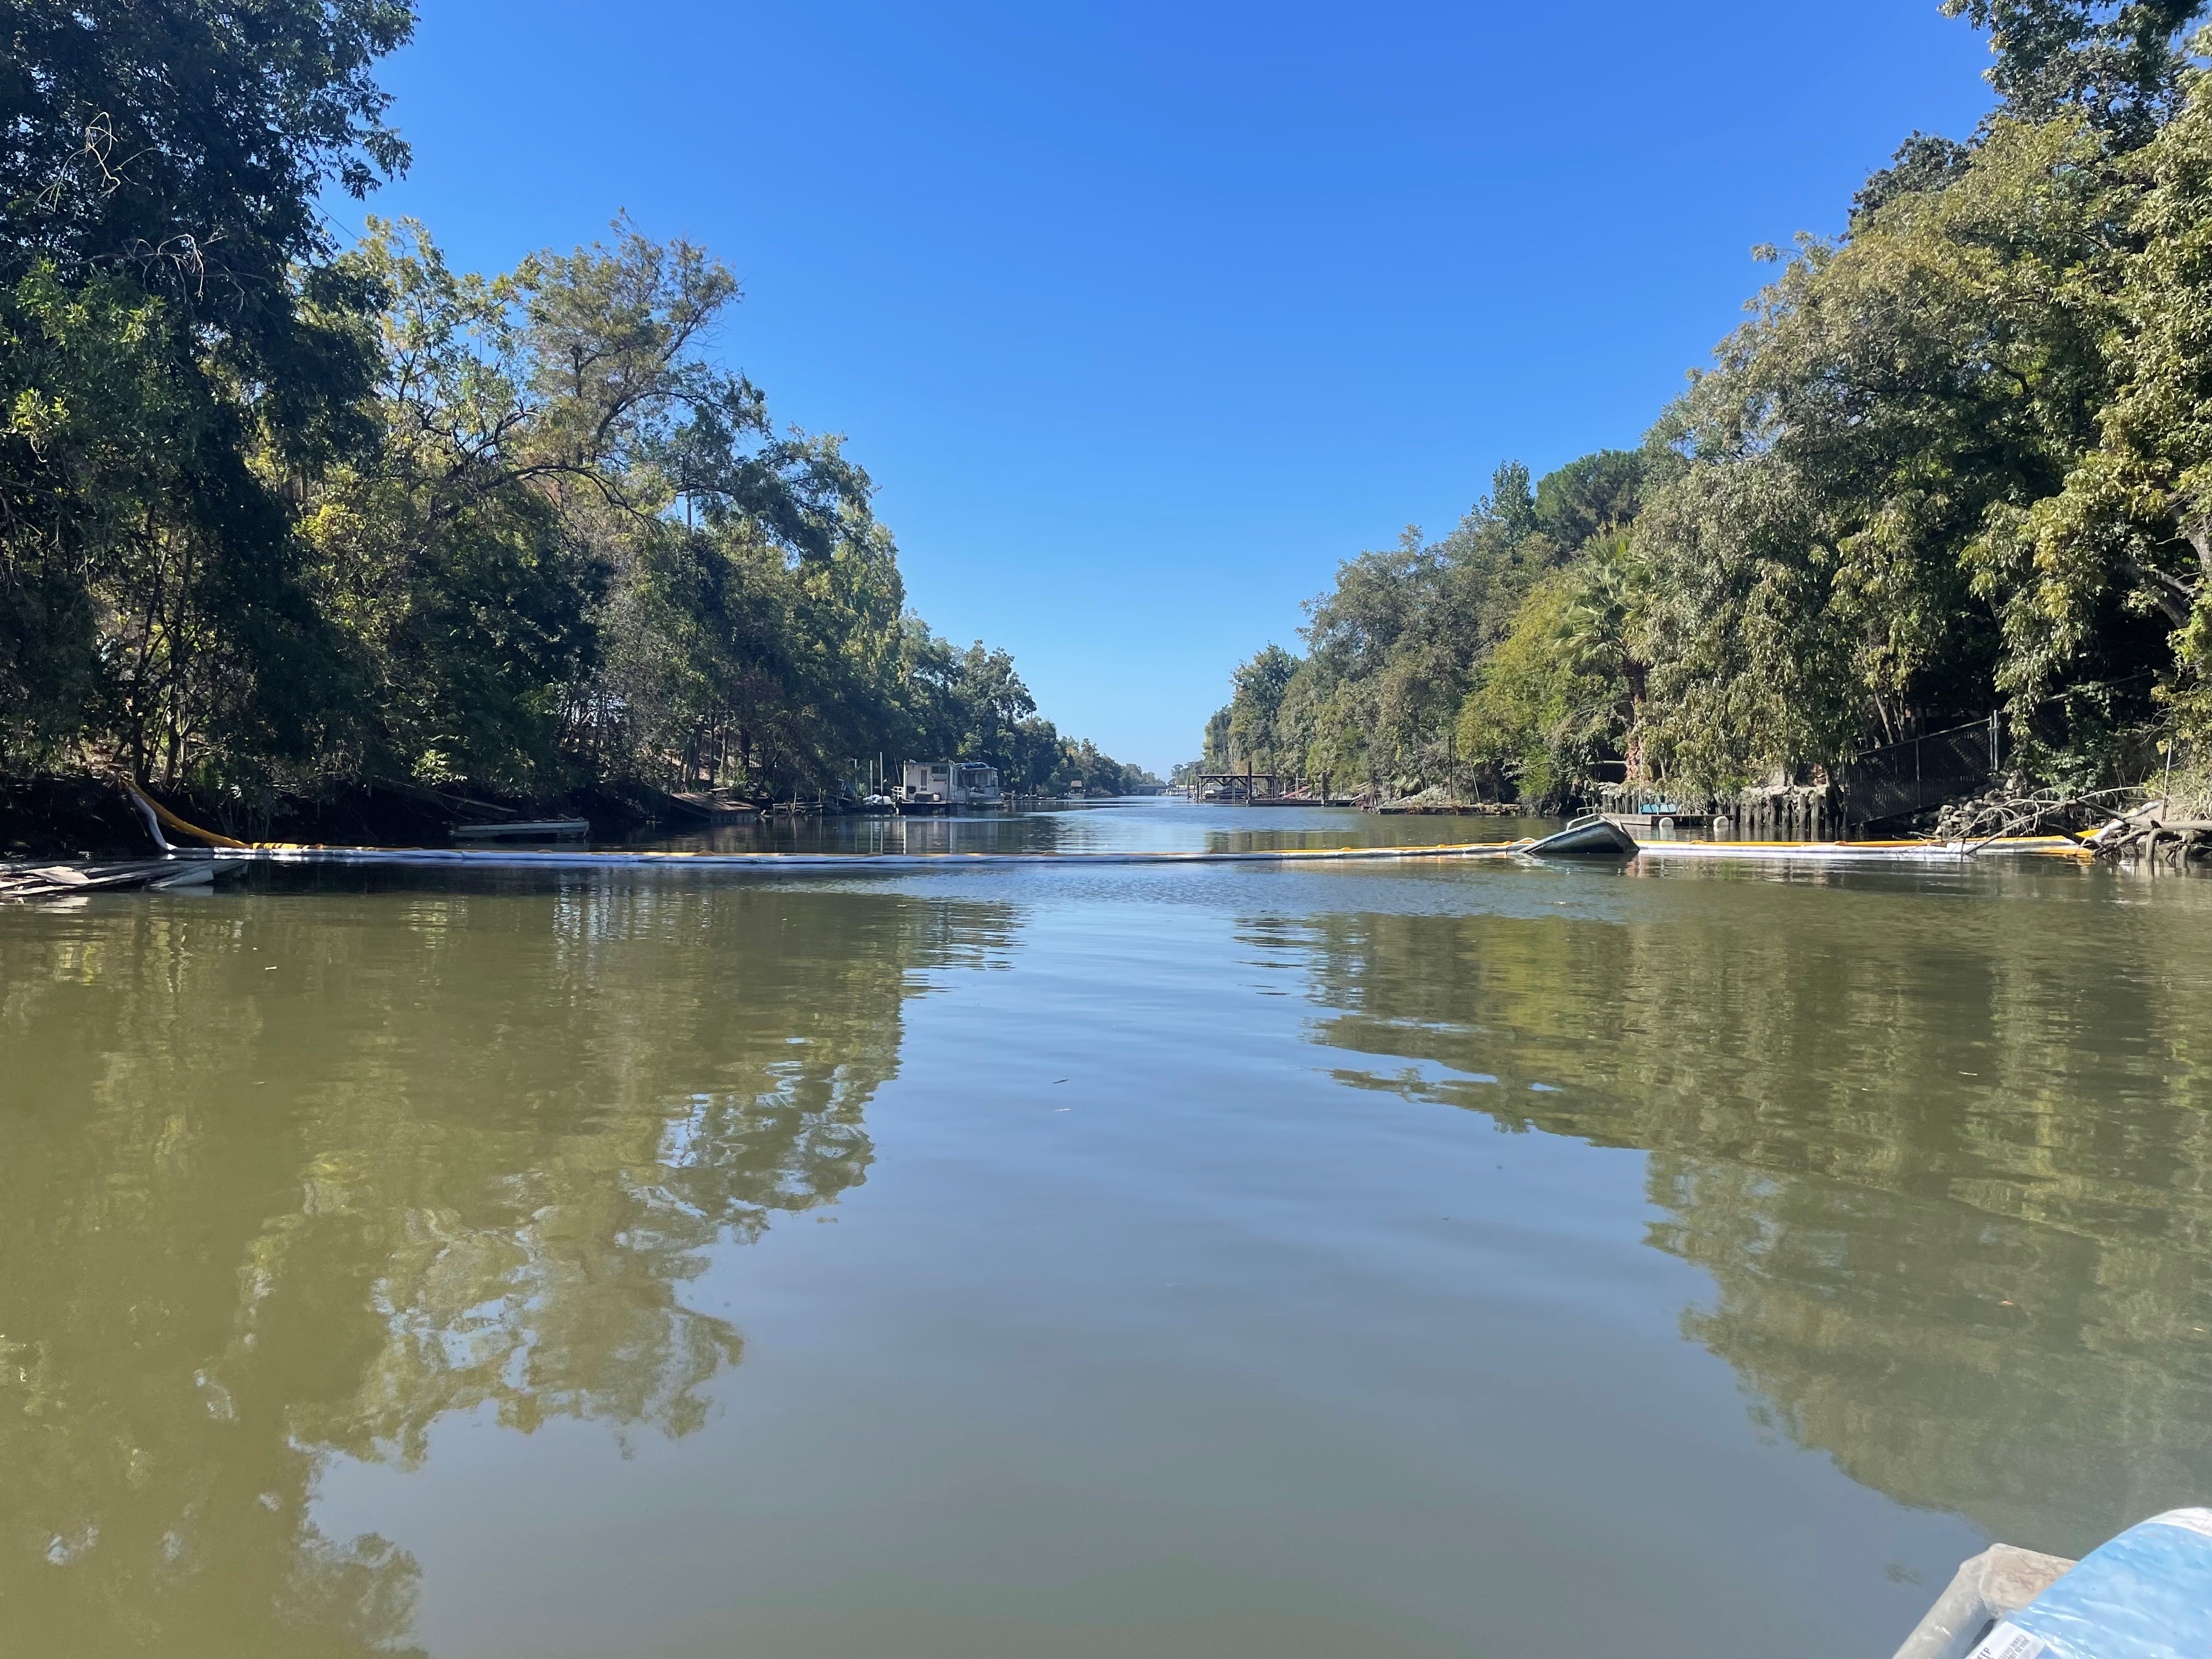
[
  {"x": 1952, "y": 475},
  {"x": 311, "y": 538}
]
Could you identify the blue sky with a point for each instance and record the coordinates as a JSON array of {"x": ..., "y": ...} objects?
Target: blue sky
[{"x": 1144, "y": 316}]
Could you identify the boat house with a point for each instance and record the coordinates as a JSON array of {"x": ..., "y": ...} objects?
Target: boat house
[{"x": 949, "y": 783}]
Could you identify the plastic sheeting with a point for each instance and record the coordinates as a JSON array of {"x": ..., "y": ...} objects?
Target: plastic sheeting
[
  {"x": 1990, "y": 1586},
  {"x": 2146, "y": 1594}
]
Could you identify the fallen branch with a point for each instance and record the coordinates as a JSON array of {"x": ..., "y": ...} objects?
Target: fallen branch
[{"x": 2035, "y": 809}]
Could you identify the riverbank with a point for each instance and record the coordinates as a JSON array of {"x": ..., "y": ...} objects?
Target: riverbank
[{"x": 71, "y": 815}]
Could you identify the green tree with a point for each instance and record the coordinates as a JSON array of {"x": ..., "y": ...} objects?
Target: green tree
[
  {"x": 2117, "y": 63},
  {"x": 1399, "y": 642},
  {"x": 2128, "y": 539},
  {"x": 1253, "y": 733},
  {"x": 1844, "y": 452},
  {"x": 1587, "y": 496},
  {"x": 166, "y": 300},
  {"x": 1562, "y": 695},
  {"x": 582, "y": 548}
]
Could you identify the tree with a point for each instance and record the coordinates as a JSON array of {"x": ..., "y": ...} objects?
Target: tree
[
  {"x": 1925, "y": 161},
  {"x": 2119, "y": 64},
  {"x": 581, "y": 546},
  {"x": 1396, "y": 646},
  {"x": 273, "y": 517},
  {"x": 1563, "y": 694},
  {"x": 1843, "y": 455},
  {"x": 1956, "y": 458},
  {"x": 166, "y": 300},
  {"x": 186, "y": 143},
  {"x": 1587, "y": 496},
  {"x": 2127, "y": 540},
  {"x": 1255, "y": 710}
]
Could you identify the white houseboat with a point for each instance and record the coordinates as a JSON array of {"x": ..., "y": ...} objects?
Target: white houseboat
[{"x": 941, "y": 786}]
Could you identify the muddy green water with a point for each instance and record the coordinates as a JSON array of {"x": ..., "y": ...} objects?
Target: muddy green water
[{"x": 1426, "y": 1261}]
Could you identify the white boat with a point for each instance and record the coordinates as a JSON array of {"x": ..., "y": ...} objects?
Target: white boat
[{"x": 940, "y": 786}]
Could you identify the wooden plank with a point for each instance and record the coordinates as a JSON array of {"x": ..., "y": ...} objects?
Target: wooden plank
[{"x": 537, "y": 830}]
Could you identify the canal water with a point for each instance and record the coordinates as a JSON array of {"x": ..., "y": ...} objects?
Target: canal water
[{"x": 1490, "y": 1260}]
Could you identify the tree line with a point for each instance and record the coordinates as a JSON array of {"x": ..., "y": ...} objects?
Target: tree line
[
  {"x": 1957, "y": 460},
  {"x": 277, "y": 512}
]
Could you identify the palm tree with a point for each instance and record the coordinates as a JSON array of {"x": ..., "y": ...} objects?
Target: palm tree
[{"x": 1603, "y": 634}]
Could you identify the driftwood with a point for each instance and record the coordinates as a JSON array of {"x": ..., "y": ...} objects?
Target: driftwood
[
  {"x": 2026, "y": 812},
  {"x": 2158, "y": 829},
  {"x": 2175, "y": 840},
  {"x": 29, "y": 882},
  {"x": 2148, "y": 829}
]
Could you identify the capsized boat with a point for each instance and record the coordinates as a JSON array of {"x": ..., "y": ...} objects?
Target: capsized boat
[{"x": 1593, "y": 835}]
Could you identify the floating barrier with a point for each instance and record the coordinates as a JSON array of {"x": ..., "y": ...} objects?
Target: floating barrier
[
  {"x": 1579, "y": 839},
  {"x": 503, "y": 857},
  {"x": 1890, "y": 852},
  {"x": 517, "y": 857}
]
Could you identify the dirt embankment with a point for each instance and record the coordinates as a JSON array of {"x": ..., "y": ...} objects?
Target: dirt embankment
[
  {"x": 72, "y": 816},
  {"x": 66, "y": 817}
]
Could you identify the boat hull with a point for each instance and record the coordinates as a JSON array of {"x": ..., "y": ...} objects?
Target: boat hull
[{"x": 1586, "y": 838}]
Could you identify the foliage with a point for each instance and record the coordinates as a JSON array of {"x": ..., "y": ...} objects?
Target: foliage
[
  {"x": 1925, "y": 161},
  {"x": 1955, "y": 459},
  {"x": 171, "y": 342},
  {"x": 186, "y": 143},
  {"x": 271, "y": 513},
  {"x": 2115, "y": 62},
  {"x": 1562, "y": 694},
  {"x": 1395, "y": 648},
  {"x": 2129, "y": 536}
]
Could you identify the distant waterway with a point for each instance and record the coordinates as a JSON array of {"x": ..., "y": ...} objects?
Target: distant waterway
[
  {"x": 1112, "y": 826},
  {"x": 1231, "y": 1260}
]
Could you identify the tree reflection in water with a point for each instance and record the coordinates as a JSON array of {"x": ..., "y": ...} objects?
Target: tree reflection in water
[
  {"x": 457, "y": 1151},
  {"x": 1950, "y": 1173}
]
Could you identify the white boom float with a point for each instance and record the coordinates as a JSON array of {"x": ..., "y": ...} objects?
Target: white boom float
[{"x": 1593, "y": 836}]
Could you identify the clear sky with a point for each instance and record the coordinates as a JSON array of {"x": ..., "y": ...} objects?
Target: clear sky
[{"x": 1144, "y": 316}]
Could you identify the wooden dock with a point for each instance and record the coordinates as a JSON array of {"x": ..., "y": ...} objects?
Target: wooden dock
[
  {"x": 1459, "y": 809},
  {"x": 525, "y": 830},
  {"x": 1255, "y": 788},
  {"x": 714, "y": 804}
]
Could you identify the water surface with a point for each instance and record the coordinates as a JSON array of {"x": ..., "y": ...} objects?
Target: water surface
[{"x": 1385, "y": 1260}]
